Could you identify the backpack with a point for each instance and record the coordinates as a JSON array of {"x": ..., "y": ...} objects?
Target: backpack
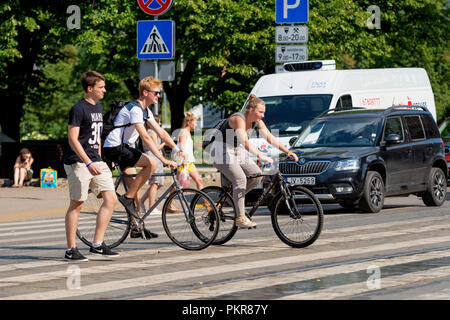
[
  {"x": 209, "y": 138},
  {"x": 109, "y": 117}
]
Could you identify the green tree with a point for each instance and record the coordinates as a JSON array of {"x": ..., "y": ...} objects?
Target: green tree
[{"x": 226, "y": 45}]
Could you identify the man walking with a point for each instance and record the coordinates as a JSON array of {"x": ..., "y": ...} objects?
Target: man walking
[{"x": 85, "y": 169}]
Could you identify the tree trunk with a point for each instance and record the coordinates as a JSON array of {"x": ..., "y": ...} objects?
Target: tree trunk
[{"x": 177, "y": 94}]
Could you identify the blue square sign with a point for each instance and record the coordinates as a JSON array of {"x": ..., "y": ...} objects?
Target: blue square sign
[
  {"x": 291, "y": 11},
  {"x": 155, "y": 39}
]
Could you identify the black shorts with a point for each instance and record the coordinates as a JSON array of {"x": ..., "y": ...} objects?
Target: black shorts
[{"x": 124, "y": 156}]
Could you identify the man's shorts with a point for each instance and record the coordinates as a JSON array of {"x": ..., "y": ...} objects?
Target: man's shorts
[
  {"x": 124, "y": 156},
  {"x": 80, "y": 180}
]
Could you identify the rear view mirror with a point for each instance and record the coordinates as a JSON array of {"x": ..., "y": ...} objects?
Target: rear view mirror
[
  {"x": 393, "y": 138},
  {"x": 447, "y": 149}
]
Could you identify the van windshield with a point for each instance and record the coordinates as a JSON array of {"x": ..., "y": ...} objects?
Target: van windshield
[
  {"x": 291, "y": 114},
  {"x": 339, "y": 132}
]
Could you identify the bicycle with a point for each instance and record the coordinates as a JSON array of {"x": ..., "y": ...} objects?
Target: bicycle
[
  {"x": 195, "y": 229},
  {"x": 294, "y": 207}
]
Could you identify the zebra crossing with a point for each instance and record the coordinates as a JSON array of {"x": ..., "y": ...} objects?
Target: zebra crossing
[{"x": 347, "y": 261}]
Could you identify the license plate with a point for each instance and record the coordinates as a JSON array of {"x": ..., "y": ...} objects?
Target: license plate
[{"x": 302, "y": 180}]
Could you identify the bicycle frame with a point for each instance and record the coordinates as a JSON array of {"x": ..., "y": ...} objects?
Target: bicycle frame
[
  {"x": 277, "y": 179},
  {"x": 175, "y": 185}
]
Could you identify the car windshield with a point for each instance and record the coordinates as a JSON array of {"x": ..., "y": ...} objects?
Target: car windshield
[
  {"x": 339, "y": 132},
  {"x": 291, "y": 114}
]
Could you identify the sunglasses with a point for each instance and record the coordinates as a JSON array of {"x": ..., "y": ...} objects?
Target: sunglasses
[{"x": 156, "y": 93}]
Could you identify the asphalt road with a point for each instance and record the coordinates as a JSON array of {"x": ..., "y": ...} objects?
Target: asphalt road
[{"x": 403, "y": 252}]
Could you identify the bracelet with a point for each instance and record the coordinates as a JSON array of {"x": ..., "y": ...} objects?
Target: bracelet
[{"x": 89, "y": 164}]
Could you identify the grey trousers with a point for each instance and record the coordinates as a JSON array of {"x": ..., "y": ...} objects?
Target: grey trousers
[{"x": 235, "y": 164}]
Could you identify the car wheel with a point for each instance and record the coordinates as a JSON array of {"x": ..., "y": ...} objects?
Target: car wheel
[
  {"x": 372, "y": 199},
  {"x": 434, "y": 196}
]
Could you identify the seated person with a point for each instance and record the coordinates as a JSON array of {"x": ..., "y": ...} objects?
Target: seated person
[
  {"x": 22, "y": 168},
  {"x": 120, "y": 142}
]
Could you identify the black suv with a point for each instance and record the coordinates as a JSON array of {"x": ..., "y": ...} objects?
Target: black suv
[{"x": 358, "y": 157}]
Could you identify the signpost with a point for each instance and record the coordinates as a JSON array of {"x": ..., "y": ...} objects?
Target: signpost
[
  {"x": 155, "y": 41},
  {"x": 155, "y": 7},
  {"x": 291, "y": 34},
  {"x": 290, "y": 12},
  {"x": 295, "y": 53}
]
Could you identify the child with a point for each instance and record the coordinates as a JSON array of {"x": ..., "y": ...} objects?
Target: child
[{"x": 187, "y": 145}]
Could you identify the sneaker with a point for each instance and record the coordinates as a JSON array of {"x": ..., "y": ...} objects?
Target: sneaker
[
  {"x": 243, "y": 222},
  {"x": 104, "y": 250},
  {"x": 138, "y": 234},
  {"x": 129, "y": 205},
  {"x": 74, "y": 255}
]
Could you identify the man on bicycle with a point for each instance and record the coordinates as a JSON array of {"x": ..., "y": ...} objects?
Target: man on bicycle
[
  {"x": 230, "y": 158},
  {"x": 119, "y": 146}
]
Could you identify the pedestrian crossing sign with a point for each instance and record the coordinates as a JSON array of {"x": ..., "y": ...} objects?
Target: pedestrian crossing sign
[{"x": 155, "y": 39}]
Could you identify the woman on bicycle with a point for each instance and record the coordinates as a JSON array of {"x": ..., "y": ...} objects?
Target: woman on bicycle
[{"x": 229, "y": 154}]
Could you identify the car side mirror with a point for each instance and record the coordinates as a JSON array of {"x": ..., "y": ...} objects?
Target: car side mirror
[
  {"x": 393, "y": 138},
  {"x": 447, "y": 150},
  {"x": 292, "y": 141}
]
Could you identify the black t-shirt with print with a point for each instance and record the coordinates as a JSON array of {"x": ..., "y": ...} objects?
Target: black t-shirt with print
[{"x": 90, "y": 120}]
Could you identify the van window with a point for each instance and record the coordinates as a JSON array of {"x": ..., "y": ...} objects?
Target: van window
[
  {"x": 291, "y": 114},
  {"x": 344, "y": 102},
  {"x": 415, "y": 127},
  {"x": 430, "y": 126},
  {"x": 393, "y": 125}
]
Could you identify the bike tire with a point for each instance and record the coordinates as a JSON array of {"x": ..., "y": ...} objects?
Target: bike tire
[
  {"x": 298, "y": 232},
  {"x": 226, "y": 209},
  {"x": 118, "y": 227},
  {"x": 203, "y": 225}
]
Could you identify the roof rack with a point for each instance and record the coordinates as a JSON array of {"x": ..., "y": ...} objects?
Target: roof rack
[
  {"x": 340, "y": 109},
  {"x": 406, "y": 107}
]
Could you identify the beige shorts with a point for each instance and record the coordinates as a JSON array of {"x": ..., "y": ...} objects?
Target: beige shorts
[{"x": 80, "y": 180}]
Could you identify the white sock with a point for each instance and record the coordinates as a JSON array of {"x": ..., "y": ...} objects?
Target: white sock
[{"x": 96, "y": 245}]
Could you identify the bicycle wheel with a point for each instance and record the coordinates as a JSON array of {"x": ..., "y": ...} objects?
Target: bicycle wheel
[
  {"x": 118, "y": 227},
  {"x": 227, "y": 213},
  {"x": 300, "y": 226},
  {"x": 200, "y": 228}
]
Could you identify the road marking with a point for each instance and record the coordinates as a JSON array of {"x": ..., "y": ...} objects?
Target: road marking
[
  {"x": 288, "y": 278},
  {"x": 185, "y": 274}
]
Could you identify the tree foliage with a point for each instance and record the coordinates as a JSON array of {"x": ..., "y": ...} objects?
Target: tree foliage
[{"x": 225, "y": 46}]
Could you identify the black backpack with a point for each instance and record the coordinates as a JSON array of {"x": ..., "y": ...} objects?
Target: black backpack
[
  {"x": 209, "y": 138},
  {"x": 109, "y": 117}
]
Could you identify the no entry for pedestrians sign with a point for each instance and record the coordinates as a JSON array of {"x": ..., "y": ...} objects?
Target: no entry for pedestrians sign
[
  {"x": 155, "y": 7},
  {"x": 155, "y": 39}
]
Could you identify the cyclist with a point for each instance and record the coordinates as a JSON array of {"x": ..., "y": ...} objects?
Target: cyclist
[
  {"x": 119, "y": 146},
  {"x": 229, "y": 154}
]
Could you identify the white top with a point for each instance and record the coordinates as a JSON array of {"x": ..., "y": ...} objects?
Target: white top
[
  {"x": 188, "y": 150},
  {"x": 131, "y": 113}
]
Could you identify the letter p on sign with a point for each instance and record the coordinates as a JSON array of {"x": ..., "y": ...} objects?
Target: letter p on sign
[{"x": 291, "y": 11}]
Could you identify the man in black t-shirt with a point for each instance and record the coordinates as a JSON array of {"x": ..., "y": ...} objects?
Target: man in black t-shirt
[{"x": 85, "y": 168}]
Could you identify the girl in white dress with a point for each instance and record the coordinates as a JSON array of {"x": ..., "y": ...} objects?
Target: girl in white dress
[{"x": 187, "y": 145}]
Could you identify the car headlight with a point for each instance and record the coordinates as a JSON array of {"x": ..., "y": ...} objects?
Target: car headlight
[{"x": 349, "y": 164}]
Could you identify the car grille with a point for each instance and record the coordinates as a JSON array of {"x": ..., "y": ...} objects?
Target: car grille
[{"x": 313, "y": 167}]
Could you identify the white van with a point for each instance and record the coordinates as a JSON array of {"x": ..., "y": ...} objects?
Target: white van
[{"x": 307, "y": 89}]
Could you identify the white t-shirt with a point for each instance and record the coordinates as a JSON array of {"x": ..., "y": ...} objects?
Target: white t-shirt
[{"x": 130, "y": 113}]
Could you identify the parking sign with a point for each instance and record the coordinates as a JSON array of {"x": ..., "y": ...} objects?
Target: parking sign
[{"x": 291, "y": 11}]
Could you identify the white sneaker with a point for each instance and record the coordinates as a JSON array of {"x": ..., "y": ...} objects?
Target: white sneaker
[
  {"x": 156, "y": 212},
  {"x": 243, "y": 222}
]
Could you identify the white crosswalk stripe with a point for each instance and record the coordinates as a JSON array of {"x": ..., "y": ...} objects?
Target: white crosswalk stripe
[{"x": 181, "y": 274}]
